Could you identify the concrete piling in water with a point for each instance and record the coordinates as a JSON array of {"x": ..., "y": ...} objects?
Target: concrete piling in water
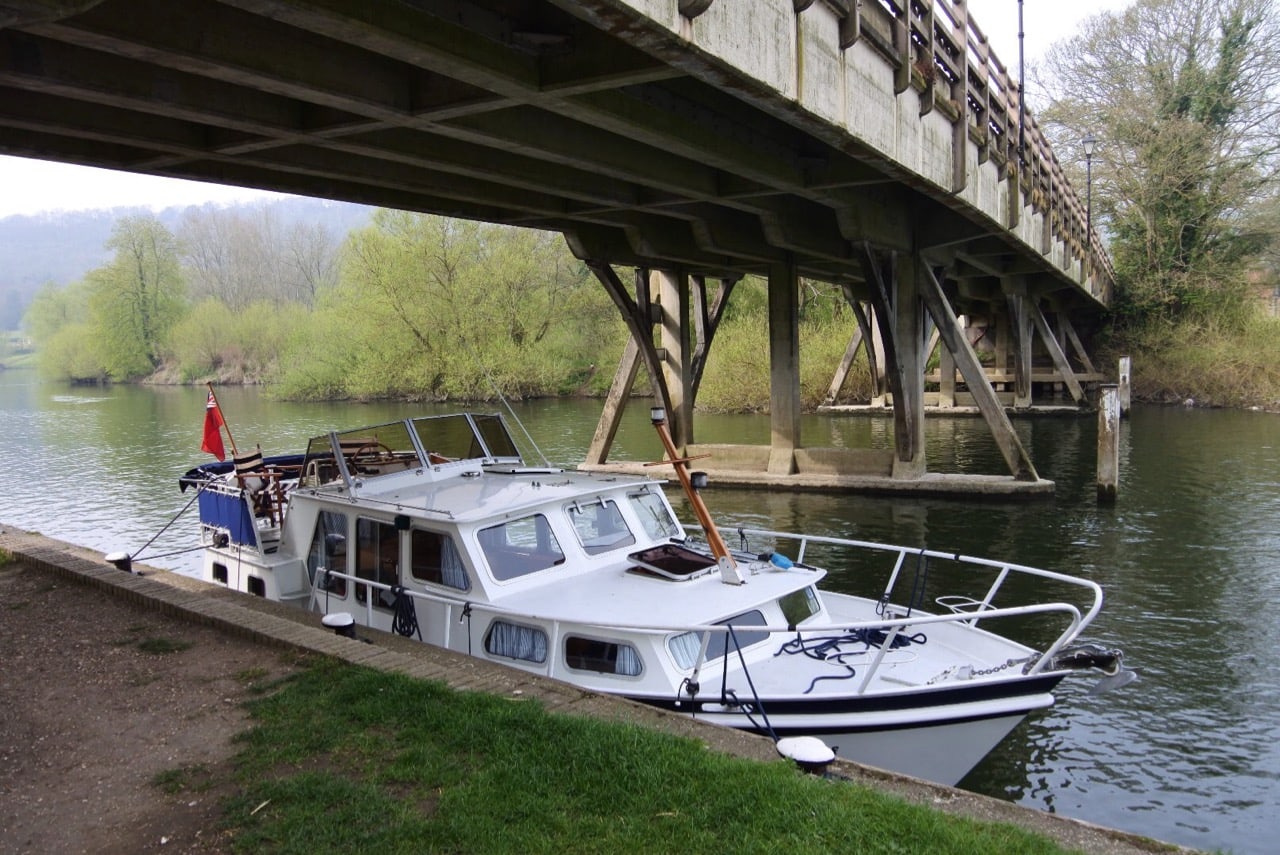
[
  {"x": 1125, "y": 366},
  {"x": 1108, "y": 442}
]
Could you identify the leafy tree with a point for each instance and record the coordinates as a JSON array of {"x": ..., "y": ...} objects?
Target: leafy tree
[
  {"x": 53, "y": 308},
  {"x": 71, "y": 353},
  {"x": 438, "y": 308},
  {"x": 135, "y": 299},
  {"x": 1181, "y": 95}
]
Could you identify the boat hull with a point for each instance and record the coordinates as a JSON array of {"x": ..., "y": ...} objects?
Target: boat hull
[{"x": 939, "y": 736}]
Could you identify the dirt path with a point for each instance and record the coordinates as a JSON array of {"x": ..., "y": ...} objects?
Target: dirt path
[{"x": 115, "y": 722}]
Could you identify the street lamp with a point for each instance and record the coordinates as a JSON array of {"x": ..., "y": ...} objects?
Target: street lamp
[{"x": 1090, "y": 144}]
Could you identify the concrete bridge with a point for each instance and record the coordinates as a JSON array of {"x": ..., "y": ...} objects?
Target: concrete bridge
[{"x": 874, "y": 144}]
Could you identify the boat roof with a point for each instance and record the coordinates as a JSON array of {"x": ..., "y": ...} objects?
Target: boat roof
[{"x": 620, "y": 596}]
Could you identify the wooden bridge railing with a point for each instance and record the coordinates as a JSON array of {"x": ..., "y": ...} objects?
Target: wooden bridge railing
[{"x": 969, "y": 84}]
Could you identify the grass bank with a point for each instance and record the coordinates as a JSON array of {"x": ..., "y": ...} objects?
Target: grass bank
[
  {"x": 345, "y": 759},
  {"x": 1209, "y": 362}
]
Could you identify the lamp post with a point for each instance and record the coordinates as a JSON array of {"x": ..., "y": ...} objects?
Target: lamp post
[{"x": 1090, "y": 144}]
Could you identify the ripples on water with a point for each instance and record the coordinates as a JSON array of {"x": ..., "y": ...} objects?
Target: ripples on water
[{"x": 1189, "y": 556}]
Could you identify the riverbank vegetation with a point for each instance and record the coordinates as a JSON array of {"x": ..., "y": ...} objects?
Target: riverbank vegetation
[
  {"x": 1180, "y": 96},
  {"x": 409, "y": 307},
  {"x": 345, "y": 759},
  {"x": 1184, "y": 187}
]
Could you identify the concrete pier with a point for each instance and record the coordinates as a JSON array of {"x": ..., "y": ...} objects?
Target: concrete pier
[{"x": 280, "y": 626}]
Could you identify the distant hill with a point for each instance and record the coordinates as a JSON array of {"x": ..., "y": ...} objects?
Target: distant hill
[{"x": 61, "y": 247}]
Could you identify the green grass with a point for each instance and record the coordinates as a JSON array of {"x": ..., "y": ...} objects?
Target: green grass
[
  {"x": 195, "y": 778},
  {"x": 1210, "y": 363},
  {"x": 344, "y": 759},
  {"x": 163, "y": 645}
]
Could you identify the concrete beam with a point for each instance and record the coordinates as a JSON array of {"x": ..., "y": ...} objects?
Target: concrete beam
[{"x": 784, "y": 369}]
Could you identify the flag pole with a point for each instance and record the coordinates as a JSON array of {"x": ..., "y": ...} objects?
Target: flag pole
[{"x": 223, "y": 419}]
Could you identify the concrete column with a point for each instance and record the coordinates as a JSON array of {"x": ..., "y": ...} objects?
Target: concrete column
[
  {"x": 1020, "y": 321},
  {"x": 1108, "y": 443},
  {"x": 1003, "y": 328},
  {"x": 672, "y": 290},
  {"x": 1126, "y": 366},
  {"x": 784, "y": 369},
  {"x": 947, "y": 371},
  {"x": 909, "y": 322}
]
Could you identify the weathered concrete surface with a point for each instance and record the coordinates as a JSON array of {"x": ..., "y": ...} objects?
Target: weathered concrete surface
[
  {"x": 833, "y": 473},
  {"x": 283, "y": 626}
]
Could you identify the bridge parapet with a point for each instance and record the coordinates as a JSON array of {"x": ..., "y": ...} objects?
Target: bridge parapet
[{"x": 916, "y": 90}]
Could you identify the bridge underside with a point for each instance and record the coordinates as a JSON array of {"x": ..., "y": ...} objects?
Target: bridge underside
[{"x": 588, "y": 118}]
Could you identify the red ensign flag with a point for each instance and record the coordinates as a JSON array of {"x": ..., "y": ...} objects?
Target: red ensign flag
[{"x": 213, "y": 429}]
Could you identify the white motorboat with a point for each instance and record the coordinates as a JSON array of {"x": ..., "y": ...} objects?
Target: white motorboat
[{"x": 435, "y": 528}]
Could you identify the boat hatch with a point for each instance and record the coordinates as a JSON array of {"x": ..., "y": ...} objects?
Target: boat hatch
[{"x": 672, "y": 561}]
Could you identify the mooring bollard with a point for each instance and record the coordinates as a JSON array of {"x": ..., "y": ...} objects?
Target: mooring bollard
[
  {"x": 1125, "y": 366},
  {"x": 1108, "y": 442}
]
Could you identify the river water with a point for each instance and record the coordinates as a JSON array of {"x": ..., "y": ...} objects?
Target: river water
[{"x": 1189, "y": 556}]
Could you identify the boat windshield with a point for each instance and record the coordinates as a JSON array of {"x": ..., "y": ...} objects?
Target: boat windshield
[
  {"x": 397, "y": 446},
  {"x": 371, "y": 450},
  {"x": 467, "y": 437}
]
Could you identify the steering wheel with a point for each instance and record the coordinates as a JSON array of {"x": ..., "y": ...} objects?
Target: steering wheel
[{"x": 370, "y": 452}]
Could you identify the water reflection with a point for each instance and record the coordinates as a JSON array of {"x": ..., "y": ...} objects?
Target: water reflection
[{"x": 1189, "y": 556}]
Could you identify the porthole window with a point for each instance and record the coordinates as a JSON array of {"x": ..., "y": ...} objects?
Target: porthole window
[
  {"x": 515, "y": 641},
  {"x": 602, "y": 657}
]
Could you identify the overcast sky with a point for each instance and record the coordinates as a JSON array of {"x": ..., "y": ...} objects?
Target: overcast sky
[{"x": 32, "y": 186}]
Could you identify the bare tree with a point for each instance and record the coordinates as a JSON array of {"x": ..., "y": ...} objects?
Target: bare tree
[{"x": 245, "y": 255}]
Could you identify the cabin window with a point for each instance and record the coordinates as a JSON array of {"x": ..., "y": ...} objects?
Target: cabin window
[
  {"x": 329, "y": 551},
  {"x": 799, "y": 606},
  {"x": 377, "y": 559},
  {"x": 655, "y": 515},
  {"x": 685, "y": 646},
  {"x": 516, "y": 642},
  {"x": 433, "y": 558},
  {"x": 603, "y": 657},
  {"x": 220, "y": 572},
  {"x": 520, "y": 547},
  {"x": 600, "y": 527}
]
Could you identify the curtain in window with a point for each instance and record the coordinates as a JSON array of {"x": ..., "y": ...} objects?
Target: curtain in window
[
  {"x": 517, "y": 642},
  {"x": 629, "y": 660},
  {"x": 452, "y": 571},
  {"x": 684, "y": 648}
]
